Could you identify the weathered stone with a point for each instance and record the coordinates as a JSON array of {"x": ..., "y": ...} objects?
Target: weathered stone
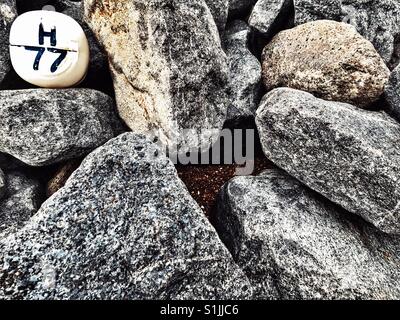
[
  {"x": 20, "y": 202},
  {"x": 312, "y": 10},
  {"x": 8, "y": 12},
  {"x": 240, "y": 8},
  {"x": 170, "y": 72},
  {"x": 219, "y": 10},
  {"x": 42, "y": 127},
  {"x": 245, "y": 72},
  {"x": 2, "y": 184},
  {"x": 123, "y": 227},
  {"x": 267, "y": 15},
  {"x": 292, "y": 244},
  {"x": 377, "y": 20},
  {"x": 349, "y": 155},
  {"x": 61, "y": 176},
  {"x": 326, "y": 58},
  {"x": 392, "y": 93}
]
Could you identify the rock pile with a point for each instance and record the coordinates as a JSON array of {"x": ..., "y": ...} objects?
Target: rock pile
[{"x": 90, "y": 211}]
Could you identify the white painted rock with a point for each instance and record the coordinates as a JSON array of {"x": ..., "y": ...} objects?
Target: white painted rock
[{"x": 49, "y": 49}]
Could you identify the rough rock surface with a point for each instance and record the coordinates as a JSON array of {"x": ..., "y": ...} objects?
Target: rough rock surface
[
  {"x": 2, "y": 184},
  {"x": 292, "y": 244},
  {"x": 219, "y": 10},
  {"x": 8, "y": 13},
  {"x": 312, "y": 10},
  {"x": 326, "y": 58},
  {"x": 349, "y": 155},
  {"x": 392, "y": 93},
  {"x": 377, "y": 20},
  {"x": 240, "y": 8},
  {"x": 42, "y": 127},
  {"x": 173, "y": 75},
  {"x": 245, "y": 72},
  {"x": 123, "y": 227},
  {"x": 267, "y": 14},
  {"x": 21, "y": 201}
]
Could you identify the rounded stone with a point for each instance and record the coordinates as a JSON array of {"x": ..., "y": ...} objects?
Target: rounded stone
[
  {"x": 49, "y": 49},
  {"x": 328, "y": 59}
]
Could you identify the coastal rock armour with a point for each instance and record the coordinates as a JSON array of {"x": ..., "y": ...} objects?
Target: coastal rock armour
[
  {"x": 349, "y": 155},
  {"x": 173, "y": 75},
  {"x": 123, "y": 227},
  {"x": 293, "y": 244}
]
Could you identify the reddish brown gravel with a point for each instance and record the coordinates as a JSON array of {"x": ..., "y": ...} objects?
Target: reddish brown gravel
[{"x": 205, "y": 181}]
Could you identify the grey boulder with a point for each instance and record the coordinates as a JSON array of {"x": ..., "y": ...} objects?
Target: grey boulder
[
  {"x": 267, "y": 15},
  {"x": 240, "y": 8},
  {"x": 349, "y": 155},
  {"x": 123, "y": 227},
  {"x": 219, "y": 10},
  {"x": 8, "y": 12},
  {"x": 377, "y": 20},
  {"x": 312, "y": 10},
  {"x": 41, "y": 127},
  {"x": 392, "y": 93},
  {"x": 22, "y": 199},
  {"x": 245, "y": 72},
  {"x": 292, "y": 244},
  {"x": 173, "y": 75}
]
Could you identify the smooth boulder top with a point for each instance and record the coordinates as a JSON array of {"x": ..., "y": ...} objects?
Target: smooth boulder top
[
  {"x": 123, "y": 227},
  {"x": 326, "y": 58},
  {"x": 349, "y": 155},
  {"x": 293, "y": 244}
]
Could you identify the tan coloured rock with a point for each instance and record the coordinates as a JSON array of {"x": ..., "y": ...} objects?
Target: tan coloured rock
[
  {"x": 170, "y": 72},
  {"x": 328, "y": 59}
]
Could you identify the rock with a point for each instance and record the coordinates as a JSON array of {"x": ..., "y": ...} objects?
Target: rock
[
  {"x": 20, "y": 202},
  {"x": 240, "y": 8},
  {"x": 2, "y": 184},
  {"x": 312, "y": 10},
  {"x": 41, "y": 127},
  {"x": 219, "y": 10},
  {"x": 377, "y": 20},
  {"x": 61, "y": 176},
  {"x": 245, "y": 70},
  {"x": 349, "y": 155},
  {"x": 173, "y": 75},
  {"x": 268, "y": 15},
  {"x": 392, "y": 93},
  {"x": 56, "y": 69},
  {"x": 8, "y": 13},
  {"x": 326, "y": 58},
  {"x": 294, "y": 245},
  {"x": 123, "y": 227}
]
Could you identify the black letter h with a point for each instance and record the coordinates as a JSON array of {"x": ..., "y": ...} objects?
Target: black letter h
[{"x": 52, "y": 34}]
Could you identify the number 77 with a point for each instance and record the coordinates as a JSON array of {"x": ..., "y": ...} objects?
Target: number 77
[{"x": 40, "y": 52}]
